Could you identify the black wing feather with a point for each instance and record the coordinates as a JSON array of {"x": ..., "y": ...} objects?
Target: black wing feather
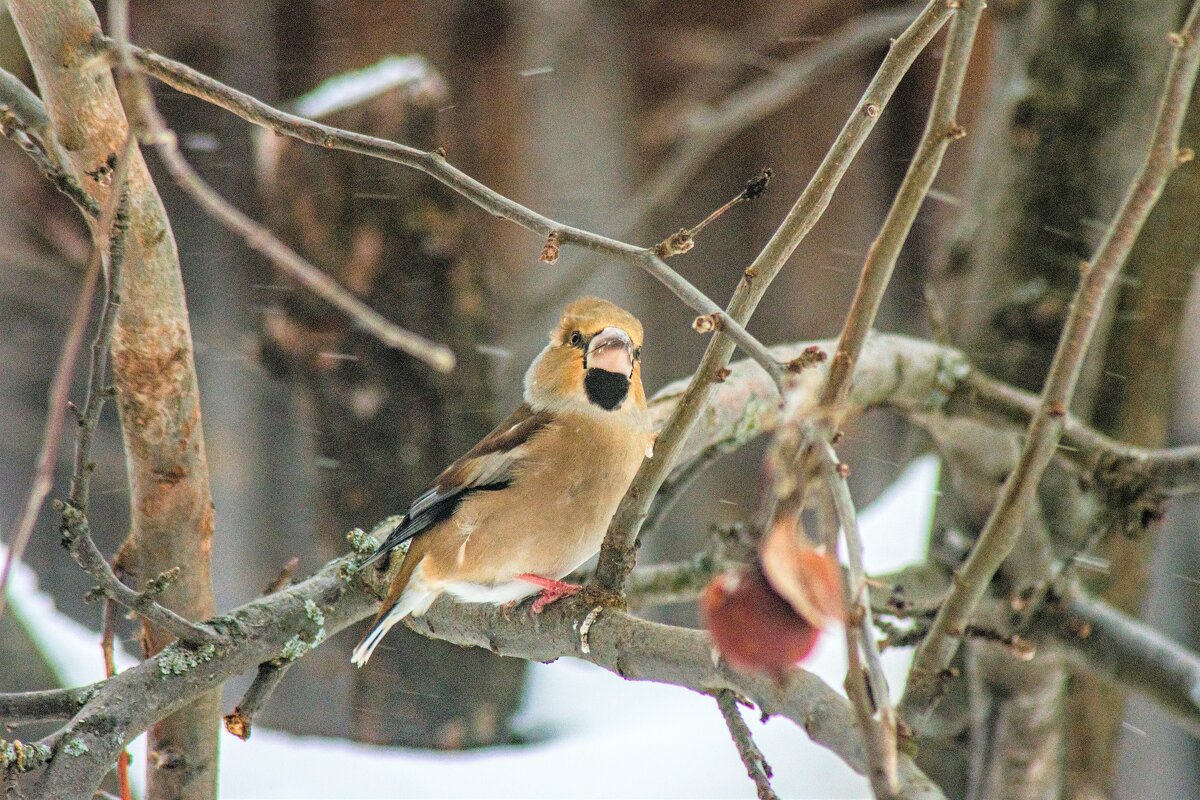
[
  {"x": 453, "y": 486},
  {"x": 433, "y": 511}
]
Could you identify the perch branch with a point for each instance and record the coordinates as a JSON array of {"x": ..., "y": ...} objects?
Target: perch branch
[
  {"x": 434, "y": 164},
  {"x": 755, "y": 762},
  {"x": 1003, "y": 526},
  {"x": 617, "y": 555},
  {"x": 281, "y": 627},
  {"x": 908, "y": 373}
]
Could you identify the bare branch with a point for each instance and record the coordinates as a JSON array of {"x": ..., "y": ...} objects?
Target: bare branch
[
  {"x": 270, "y": 674},
  {"x": 867, "y": 687},
  {"x": 435, "y": 165},
  {"x": 1003, "y": 526},
  {"x": 260, "y": 239},
  {"x": 1116, "y": 646},
  {"x": 56, "y": 410},
  {"x": 940, "y": 130},
  {"x": 706, "y": 130},
  {"x": 76, "y": 532},
  {"x": 23, "y": 119},
  {"x": 44, "y": 705},
  {"x": 282, "y": 627},
  {"x": 618, "y": 552},
  {"x": 756, "y": 764}
]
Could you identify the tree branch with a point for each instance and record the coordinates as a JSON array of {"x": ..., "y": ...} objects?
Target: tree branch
[
  {"x": 435, "y": 165},
  {"x": 1116, "y": 646},
  {"x": 617, "y": 555},
  {"x": 705, "y": 130},
  {"x": 43, "y": 705},
  {"x": 867, "y": 688},
  {"x": 756, "y": 764},
  {"x": 1004, "y": 525},
  {"x": 283, "y": 626},
  {"x": 940, "y": 130}
]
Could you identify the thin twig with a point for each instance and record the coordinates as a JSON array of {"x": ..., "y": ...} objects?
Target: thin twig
[
  {"x": 706, "y": 130},
  {"x": 755, "y": 762},
  {"x": 56, "y": 411},
  {"x": 617, "y": 554},
  {"x": 434, "y": 164},
  {"x": 23, "y": 119},
  {"x": 860, "y": 622},
  {"x": 76, "y": 531},
  {"x": 240, "y": 722},
  {"x": 260, "y": 238},
  {"x": 941, "y": 129},
  {"x": 1003, "y": 526}
]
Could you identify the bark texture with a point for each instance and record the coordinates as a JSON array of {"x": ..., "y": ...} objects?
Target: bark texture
[{"x": 171, "y": 511}]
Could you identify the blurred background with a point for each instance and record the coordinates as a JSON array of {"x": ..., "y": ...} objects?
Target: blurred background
[{"x": 582, "y": 111}]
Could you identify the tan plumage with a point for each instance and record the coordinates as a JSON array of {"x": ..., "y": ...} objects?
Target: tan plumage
[{"x": 534, "y": 497}]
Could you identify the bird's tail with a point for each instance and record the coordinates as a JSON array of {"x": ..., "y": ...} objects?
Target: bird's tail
[{"x": 415, "y": 599}]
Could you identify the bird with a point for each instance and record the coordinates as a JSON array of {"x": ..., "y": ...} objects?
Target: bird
[{"x": 532, "y": 500}]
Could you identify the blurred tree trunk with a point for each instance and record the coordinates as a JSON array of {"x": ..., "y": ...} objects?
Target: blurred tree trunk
[
  {"x": 385, "y": 425},
  {"x": 1076, "y": 86}
]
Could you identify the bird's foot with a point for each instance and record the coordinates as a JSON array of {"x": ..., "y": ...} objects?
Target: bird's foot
[{"x": 551, "y": 590}]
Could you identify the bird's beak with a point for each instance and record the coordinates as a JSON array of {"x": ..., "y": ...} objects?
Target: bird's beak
[{"x": 612, "y": 351}]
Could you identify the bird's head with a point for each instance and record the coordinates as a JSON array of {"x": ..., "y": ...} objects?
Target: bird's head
[{"x": 591, "y": 363}]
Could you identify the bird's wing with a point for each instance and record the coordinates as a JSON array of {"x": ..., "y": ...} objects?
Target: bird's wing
[{"x": 488, "y": 466}]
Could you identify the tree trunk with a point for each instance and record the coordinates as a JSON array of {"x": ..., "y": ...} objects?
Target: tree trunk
[
  {"x": 385, "y": 425},
  {"x": 171, "y": 509}
]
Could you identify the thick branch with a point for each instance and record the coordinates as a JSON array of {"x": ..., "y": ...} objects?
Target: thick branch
[
  {"x": 1004, "y": 525},
  {"x": 171, "y": 511},
  {"x": 43, "y": 705},
  {"x": 284, "y": 625},
  {"x": 1116, "y": 646}
]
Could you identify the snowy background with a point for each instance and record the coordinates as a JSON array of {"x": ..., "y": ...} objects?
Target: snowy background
[{"x": 595, "y": 735}]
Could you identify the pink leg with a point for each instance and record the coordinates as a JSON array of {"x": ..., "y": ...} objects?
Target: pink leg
[{"x": 551, "y": 590}]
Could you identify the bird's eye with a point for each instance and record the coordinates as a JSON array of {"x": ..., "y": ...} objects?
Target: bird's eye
[
  {"x": 637, "y": 354},
  {"x": 576, "y": 338}
]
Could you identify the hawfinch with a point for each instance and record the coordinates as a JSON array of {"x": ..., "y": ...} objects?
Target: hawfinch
[{"x": 531, "y": 502}]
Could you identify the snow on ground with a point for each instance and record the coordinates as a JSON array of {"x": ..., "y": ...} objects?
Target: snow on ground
[{"x": 600, "y": 736}]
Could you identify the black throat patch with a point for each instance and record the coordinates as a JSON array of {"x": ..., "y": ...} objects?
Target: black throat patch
[{"x": 605, "y": 389}]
